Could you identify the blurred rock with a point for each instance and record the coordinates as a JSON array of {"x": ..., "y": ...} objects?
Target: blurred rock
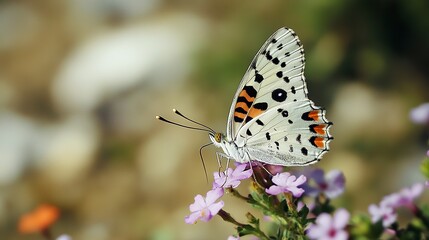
[
  {"x": 65, "y": 151},
  {"x": 19, "y": 24},
  {"x": 94, "y": 10},
  {"x": 160, "y": 160},
  {"x": 155, "y": 53},
  {"x": 17, "y": 135},
  {"x": 360, "y": 111}
]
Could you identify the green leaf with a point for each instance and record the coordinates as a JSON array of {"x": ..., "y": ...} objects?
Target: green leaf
[
  {"x": 363, "y": 228},
  {"x": 424, "y": 167}
]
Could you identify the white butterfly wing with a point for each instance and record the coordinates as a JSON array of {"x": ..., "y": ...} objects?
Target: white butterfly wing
[
  {"x": 274, "y": 77},
  {"x": 271, "y": 116}
]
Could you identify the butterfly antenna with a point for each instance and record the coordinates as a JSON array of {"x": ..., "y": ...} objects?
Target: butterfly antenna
[
  {"x": 200, "y": 124},
  {"x": 181, "y": 125},
  {"x": 202, "y": 160}
]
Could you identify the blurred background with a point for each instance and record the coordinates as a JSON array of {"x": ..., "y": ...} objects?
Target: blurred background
[{"x": 82, "y": 80}]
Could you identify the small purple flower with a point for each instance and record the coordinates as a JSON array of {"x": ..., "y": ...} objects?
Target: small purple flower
[
  {"x": 331, "y": 184},
  {"x": 330, "y": 228},
  {"x": 404, "y": 198},
  {"x": 420, "y": 114},
  {"x": 232, "y": 178},
  {"x": 388, "y": 205},
  {"x": 385, "y": 213},
  {"x": 285, "y": 182},
  {"x": 205, "y": 208}
]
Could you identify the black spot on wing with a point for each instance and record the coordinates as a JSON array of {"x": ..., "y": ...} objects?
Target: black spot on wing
[
  {"x": 243, "y": 99},
  {"x": 267, "y": 135},
  {"x": 238, "y": 119},
  {"x": 279, "y": 95},
  {"x": 276, "y": 61},
  {"x": 248, "y": 132},
  {"x": 262, "y": 106},
  {"x": 248, "y": 119},
  {"x": 259, "y": 122},
  {"x": 287, "y": 80},
  {"x": 250, "y": 90},
  {"x": 285, "y": 113},
  {"x": 240, "y": 110},
  {"x": 304, "y": 151},
  {"x": 306, "y": 116},
  {"x": 268, "y": 56},
  {"x": 258, "y": 77},
  {"x": 298, "y": 138}
]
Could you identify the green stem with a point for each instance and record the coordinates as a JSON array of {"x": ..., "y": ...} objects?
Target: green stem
[
  {"x": 252, "y": 230},
  {"x": 228, "y": 218},
  {"x": 235, "y": 193}
]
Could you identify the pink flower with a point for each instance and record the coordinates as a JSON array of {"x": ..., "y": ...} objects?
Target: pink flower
[
  {"x": 331, "y": 184},
  {"x": 404, "y": 198},
  {"x": 330, "y": 228},
  {"x": 205, "y": 208},
  {"x": 385, "y": 213},
  {"x": 285, "y": 182},
  {"x": 232, "y": 178}
]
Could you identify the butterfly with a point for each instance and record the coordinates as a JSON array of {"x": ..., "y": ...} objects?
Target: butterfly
[{"x": 271, "y": 119}]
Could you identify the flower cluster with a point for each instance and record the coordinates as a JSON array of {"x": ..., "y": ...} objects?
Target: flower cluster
[
  {"x": 386, "y": 210},
  {"x": 281, "y": 196}
]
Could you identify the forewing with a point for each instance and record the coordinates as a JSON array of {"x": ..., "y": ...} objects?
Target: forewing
[{"x": 274, "y": 77}]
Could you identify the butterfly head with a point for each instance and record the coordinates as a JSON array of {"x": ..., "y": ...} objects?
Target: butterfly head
[{"x": 217, "y": 138}]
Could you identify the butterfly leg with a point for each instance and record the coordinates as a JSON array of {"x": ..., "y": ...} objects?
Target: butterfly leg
[{"x": 219, "y": 156}]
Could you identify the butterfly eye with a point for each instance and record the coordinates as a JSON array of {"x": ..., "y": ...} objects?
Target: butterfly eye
[{"x": 218, "y": 137}]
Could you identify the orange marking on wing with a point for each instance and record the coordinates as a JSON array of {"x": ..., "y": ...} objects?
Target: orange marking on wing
[
  {"x": 254, "y": 112},
  {"x": 243, "y": 105},
  {"x": 314, "y": 115},
  {"x": 240, "y": 115},
  {"x": 243, "y": 93},
  {"x": 320, "y": 142},
  {"x": 320, "y": 129}
]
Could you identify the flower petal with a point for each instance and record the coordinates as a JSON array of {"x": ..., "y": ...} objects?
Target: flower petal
[
  {"x": 274, "y": 190},
  {"x": 192, "y": 218},
  {"x": 214, "y": 208},
  {"x": 198, "y": 204},
  {"x": 280, "y": 179},
  {"x": 213, "y": 195},
  {"x": 341, "y": 218}
]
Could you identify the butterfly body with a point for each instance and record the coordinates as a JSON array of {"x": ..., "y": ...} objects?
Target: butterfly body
[{"x": 271, "y": 119}]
